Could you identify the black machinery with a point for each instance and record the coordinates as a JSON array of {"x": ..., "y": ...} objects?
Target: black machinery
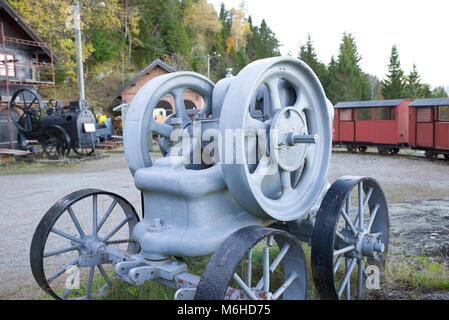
[{"x": 58, "y": 128}]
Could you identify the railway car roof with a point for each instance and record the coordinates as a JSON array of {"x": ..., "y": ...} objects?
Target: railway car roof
[
  {"x": 430, "y": 102},
  {"x": 369, "y": 104}
]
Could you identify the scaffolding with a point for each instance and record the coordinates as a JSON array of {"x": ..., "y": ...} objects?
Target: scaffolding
[{"x": 36, "y": 66}]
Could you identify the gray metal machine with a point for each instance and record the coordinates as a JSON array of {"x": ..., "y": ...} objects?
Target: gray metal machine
[{"x": 244, "y": 180}]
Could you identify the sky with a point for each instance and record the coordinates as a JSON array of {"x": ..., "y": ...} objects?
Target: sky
[{"x": 419, "y": 29}]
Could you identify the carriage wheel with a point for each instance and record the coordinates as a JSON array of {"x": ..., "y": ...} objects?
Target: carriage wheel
[
  {"x": 343, "y": 237},
  {"x": 66, "y": 246},
  {"x": 446, "y": 156},
  {"x": 381, "y": 150},
  {"x": 430, "y": 154},
  {"x": 362, "y": 148},
  {"x": 394, "y": 151},
  {"x": 83, "y": 151},
  {"x": 28, "y": 106},
  {"x": 255, "y": 263},
  {"x": 55, "y": 142},
  {"x": 351, "y": 148}
]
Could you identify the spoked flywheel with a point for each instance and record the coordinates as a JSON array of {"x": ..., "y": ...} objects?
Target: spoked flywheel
[
  {"x": 140, "y": 124},
  {"x": 351, "y": 228},
  {"x": 67, "y": 256},
  {"x": 255, "y": 263},
  {"x": 28, "y": 107},
  {"x": 281, "y": 119}
]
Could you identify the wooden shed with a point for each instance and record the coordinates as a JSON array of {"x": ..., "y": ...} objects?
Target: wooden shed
[{"x": 128, "y": 91}]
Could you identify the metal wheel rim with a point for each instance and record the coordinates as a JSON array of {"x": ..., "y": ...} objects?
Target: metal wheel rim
[
  {"x": 46, "y": 226},
  {"x": 30, "y": 116},
  {"x": 55, "y": 142},
  {"x": 221, "y": 270},
  {"x": 310, "y": 98},
  {"x": 329, "y": 251},
  {"x": 140, "y": 123}
]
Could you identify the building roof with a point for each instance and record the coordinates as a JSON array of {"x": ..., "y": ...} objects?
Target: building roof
[
  {"x": 430, "y": 102},
  {"x": 154, "y": 64},
  {"x": 16, "y": 17},
  {"x": 369, "y": 104}
]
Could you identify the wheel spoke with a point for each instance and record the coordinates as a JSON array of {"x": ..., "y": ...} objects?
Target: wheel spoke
[
  {"x": 348, "y": 284},
  {"x": 117, "y": 228},
  {"x": 163, "y": 129},
  {"x": 346, "y": 278},
  {"x": 249, "y": 267},
  {"x": 285, "y": 179},
  {"x": 360, "y": 278},
  {"x": 344, "y": 250},
  {"x": 372, "y": 217},
  {"x": 266, "y": 269},
  {"x": 285, "y": 285},
  {"x": 275, "y": 100},
  {"x": 76, "y": 222},
  {"x": 104, "y": 274},
  {"x": 254, "y": 124},
  {"x": 360, "y": 201},
  {"x": 337, "y": 262},
  {"x": 106, "y": 215},
  {"x": 348, "y": 220},
  {"x": 63, "y": 269},
  {"x": 95, "y": 214},
  {"x": 180, "y": 106},
  {"x": 89, "y": 283},
  {"x": 244, "y": 287},
  {"x": 67, "y": 236},
  {"x": 56, "y": 252}
]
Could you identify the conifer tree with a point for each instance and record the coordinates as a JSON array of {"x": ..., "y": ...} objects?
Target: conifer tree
[{"x": 393, "y": 87}]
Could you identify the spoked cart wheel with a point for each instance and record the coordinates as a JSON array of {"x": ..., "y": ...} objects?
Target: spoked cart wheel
[
  {"x": 352, "y": 227},
  {"x": 255, "y": 263},
  {"x": 362, "y": 148},
  {"x": 83, "y": 151},
  {"x": 66, "y": 250},
  {"x": 55, "y": 142},
  {"x": 28, "y": 108}
]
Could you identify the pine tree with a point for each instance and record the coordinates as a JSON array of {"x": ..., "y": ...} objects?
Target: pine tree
[
  {"x": 347, "y": 82},
  {"x": 413, "y": 85},
  {"x": 308, "y": 55},
  {"x": 393, "y": 87}
]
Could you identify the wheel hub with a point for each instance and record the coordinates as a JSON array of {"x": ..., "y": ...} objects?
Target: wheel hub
[{"x": 287, "y": 123}]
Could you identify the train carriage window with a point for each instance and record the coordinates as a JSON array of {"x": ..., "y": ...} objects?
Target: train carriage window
[
  {"x": 443, "y": 113},
  {"x": 384, "y": 114},
  {"x": 363, "y": 113},
  {"x": 424, "y": 114},
  {"x": 346, "y": 115}
]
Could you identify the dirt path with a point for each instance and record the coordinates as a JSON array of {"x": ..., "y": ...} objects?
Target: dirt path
[{"x": 26, "y": 197}]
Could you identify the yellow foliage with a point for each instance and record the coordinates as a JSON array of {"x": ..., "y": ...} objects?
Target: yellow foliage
[
  {"x": 229, "y": 44},
  {"x": 240, "y": 28}
]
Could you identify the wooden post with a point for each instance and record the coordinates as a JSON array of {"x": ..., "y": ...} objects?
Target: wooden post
[{"x": 7, "y": 87}]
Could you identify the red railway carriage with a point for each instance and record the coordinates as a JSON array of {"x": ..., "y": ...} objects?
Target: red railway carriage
[
  {"x": 380, "y": 123},
  {"x": 429, "y": 126}
]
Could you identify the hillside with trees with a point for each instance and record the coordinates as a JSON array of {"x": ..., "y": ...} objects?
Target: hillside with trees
[{"x": 121, "y": 37}]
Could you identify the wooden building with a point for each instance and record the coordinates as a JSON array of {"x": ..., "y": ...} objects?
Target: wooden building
[
  {"x": 127, "y": 92},
  {"x": 23, "y": 58}
]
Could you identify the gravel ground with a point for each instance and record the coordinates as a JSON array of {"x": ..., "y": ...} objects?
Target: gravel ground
[{"x": 26, "y": 197}]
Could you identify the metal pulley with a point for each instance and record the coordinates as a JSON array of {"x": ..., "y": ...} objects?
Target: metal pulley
[{"x": 292, "y": 121}]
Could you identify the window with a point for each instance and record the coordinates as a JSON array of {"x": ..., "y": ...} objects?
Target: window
[
  {"x": 424, "y": 114},
  {"x": 384, "y": 114},
  {"x": 7, "y": 63},
  {"x": 443, "y": 113},
  {"x": 363, "y": 114},
  {"x": 345, "y": 114}
]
